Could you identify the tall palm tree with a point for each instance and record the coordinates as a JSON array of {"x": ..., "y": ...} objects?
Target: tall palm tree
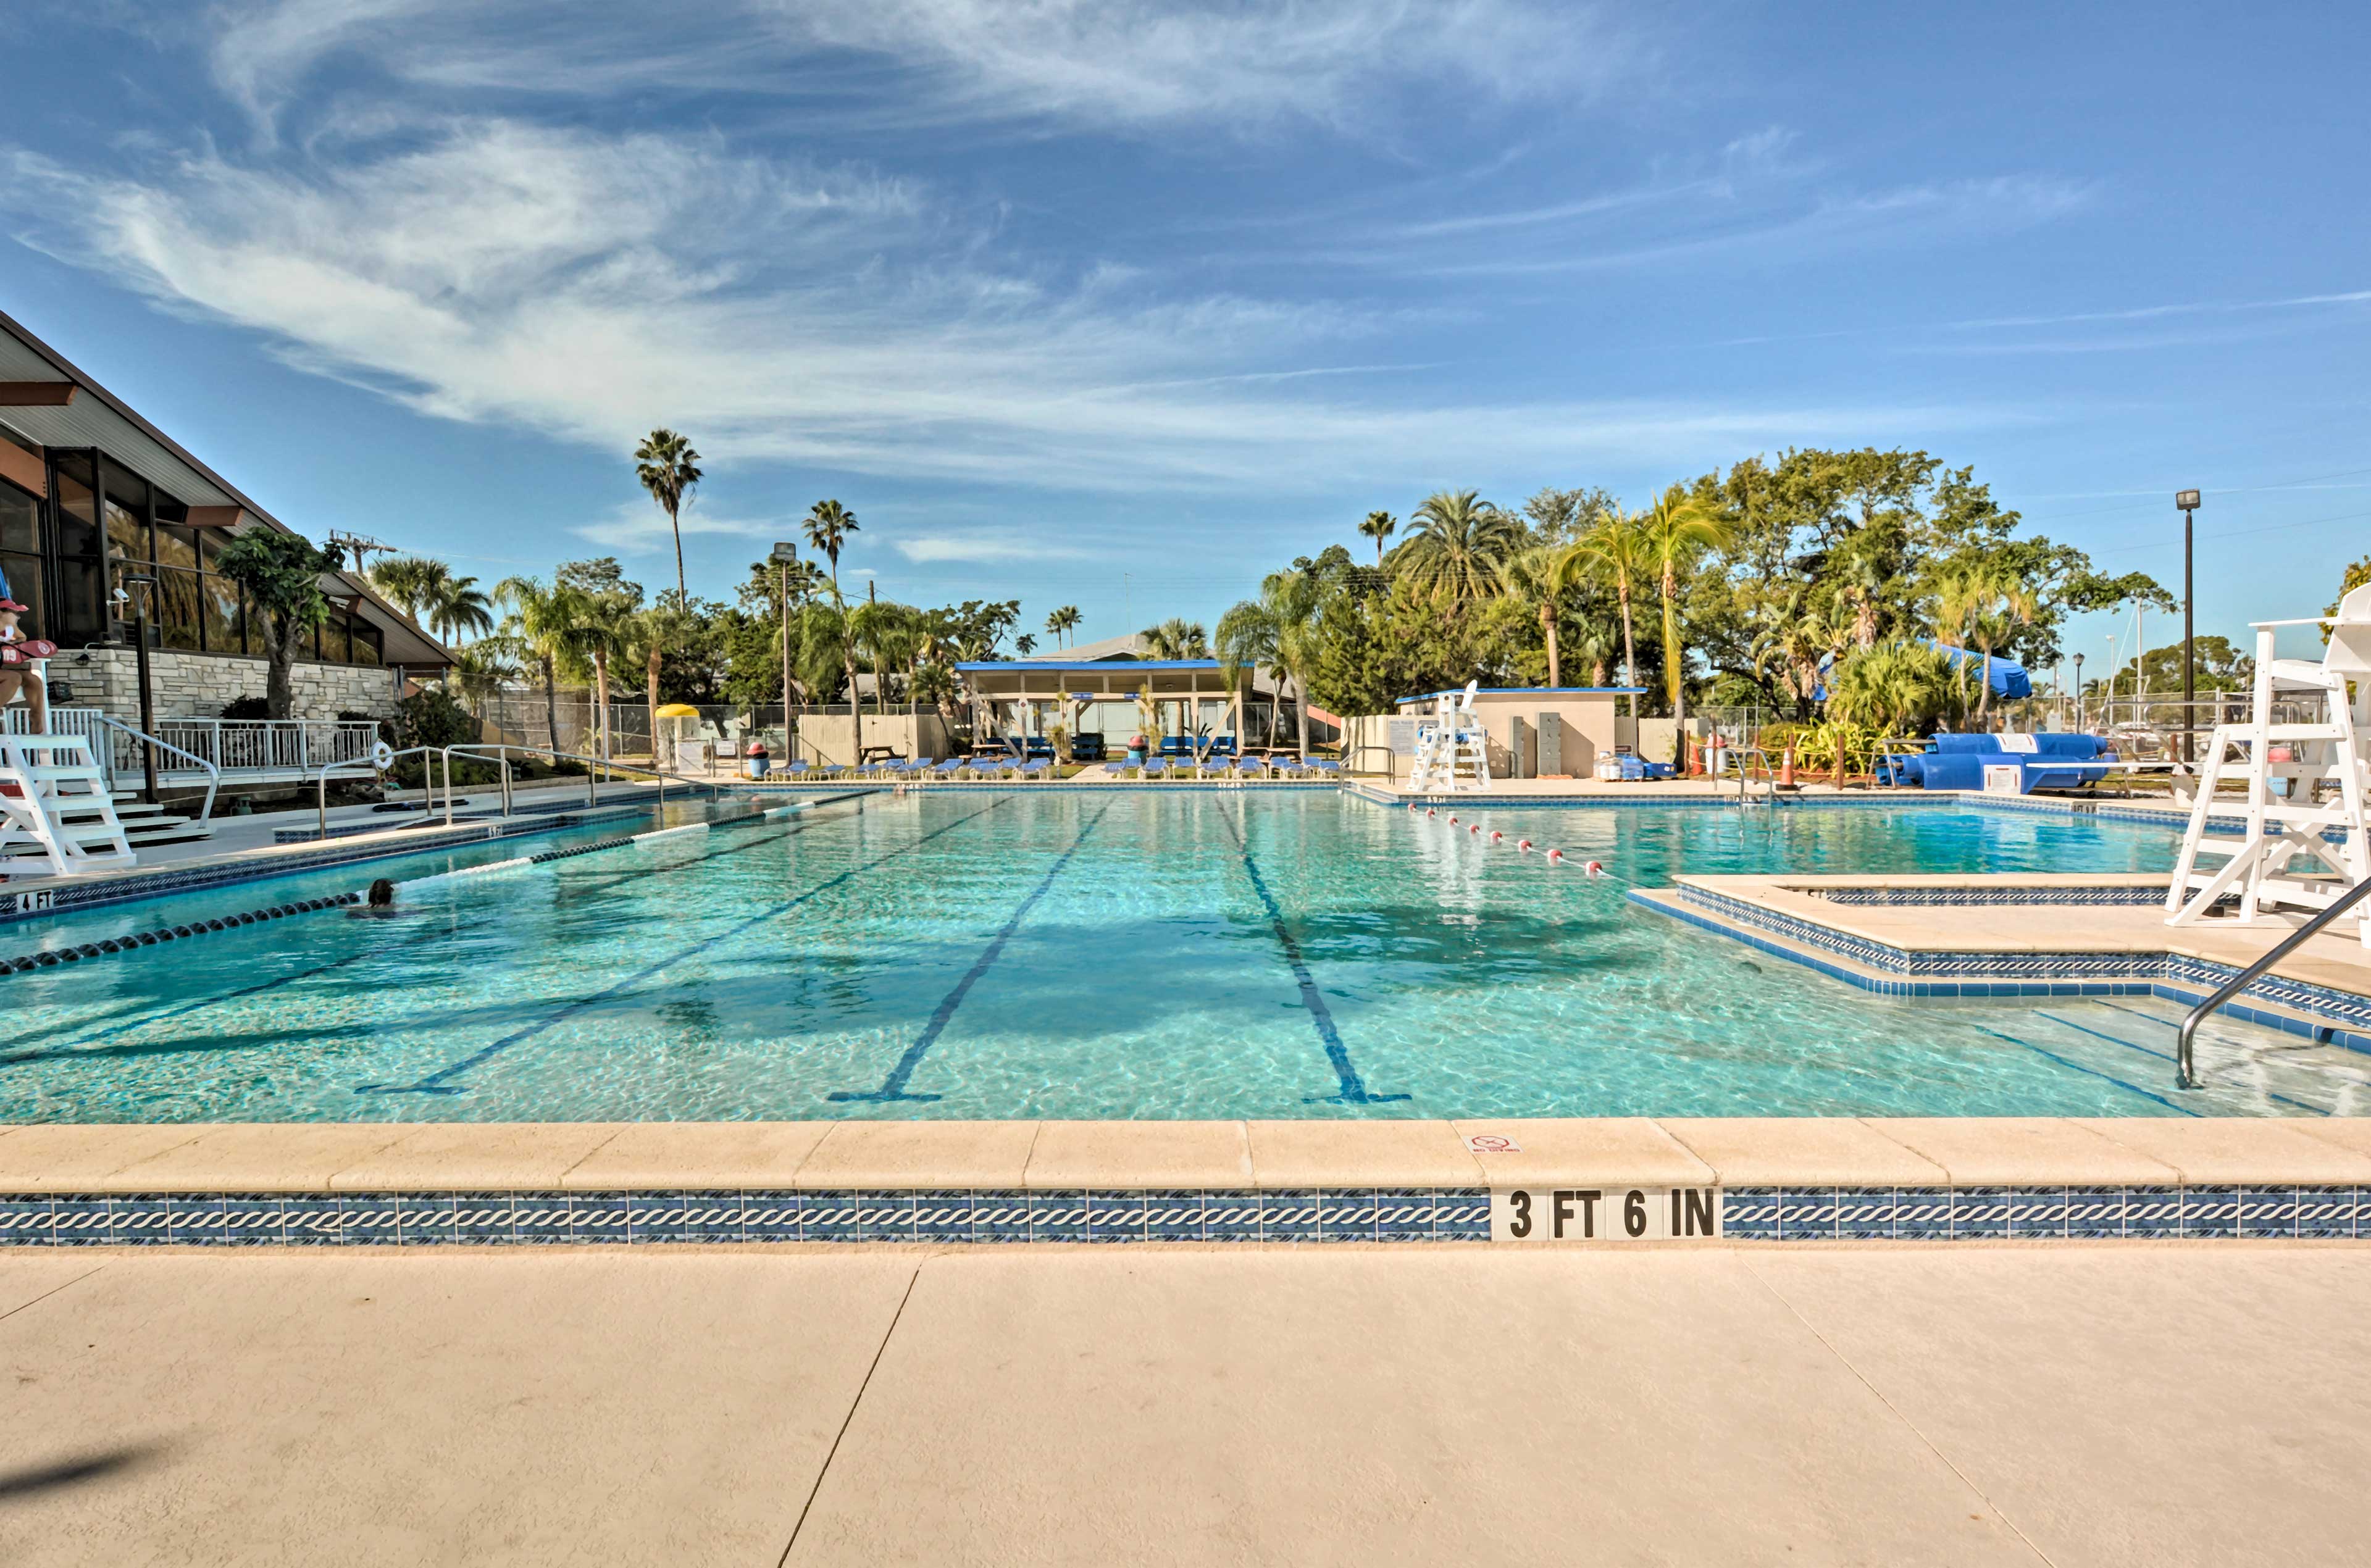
[
  {"x": 1457, "y": 545},
  {"x": 668, "y": 468},
  {"x": 1279, "y": 629},
  {"x": 651, "y": 632},
  {"x": 1530, "y": 578},
  {"x": 1615, "y": 552},
  {"x": 1063, "y": 622},
  {"x": 457, "y": 604},
  {"x": 1379, "y": 526},
  {"x": 542, "y": 622},
  {"x": 1679, "y": 529},
  {"x": 603, "y": 630},
  {"x": 828, "y": 524}
]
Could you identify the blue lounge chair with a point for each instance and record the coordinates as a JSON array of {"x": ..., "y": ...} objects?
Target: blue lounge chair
[
  {"x": 948, "y": 768},
  {"x": 1155, "y": 768},
  {"x": 1035, "y": 767}
]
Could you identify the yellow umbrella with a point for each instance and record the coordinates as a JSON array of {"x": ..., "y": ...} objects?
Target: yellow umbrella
[{"x": 678, "y": 710}]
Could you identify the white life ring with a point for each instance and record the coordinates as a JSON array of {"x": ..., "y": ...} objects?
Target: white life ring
[{"x": 382, "y": 755}]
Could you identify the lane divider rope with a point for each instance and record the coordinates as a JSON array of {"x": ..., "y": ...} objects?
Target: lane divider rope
[{"x": 50, "y": 958}]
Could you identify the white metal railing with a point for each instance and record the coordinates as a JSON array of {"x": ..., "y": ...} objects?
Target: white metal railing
[{"x": 213, "y": 746}]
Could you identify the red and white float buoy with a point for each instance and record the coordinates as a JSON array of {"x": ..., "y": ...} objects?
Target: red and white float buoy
[
  {"x": 1524, "y": 845},
  {"x": 1556, "y": 856},
  {"x": 1594, "y": 869},
  {"x": 1495, "y": 836},
  {"x": 1432, "y": 810}
]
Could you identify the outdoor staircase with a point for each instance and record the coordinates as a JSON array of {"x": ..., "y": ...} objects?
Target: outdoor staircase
[{"x": 144, "y": 824}]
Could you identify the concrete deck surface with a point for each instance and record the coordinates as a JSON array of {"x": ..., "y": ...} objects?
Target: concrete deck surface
[{"x": 2133, "y": 1405}]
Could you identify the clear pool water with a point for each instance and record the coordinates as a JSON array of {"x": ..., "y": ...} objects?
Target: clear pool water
[{"x": 1121, "y": 954}]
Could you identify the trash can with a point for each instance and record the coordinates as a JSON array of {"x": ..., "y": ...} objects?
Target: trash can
[
  {"x": 1136, "y": 748},
  {"x": 759, "y": 759}
]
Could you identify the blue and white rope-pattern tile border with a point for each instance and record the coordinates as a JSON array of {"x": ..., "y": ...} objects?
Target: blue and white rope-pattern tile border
[
  {"x": 1398, "y": 1213},
  {"x": 954, "y": 1217},
  {"x": 2046, "y": 1213}
]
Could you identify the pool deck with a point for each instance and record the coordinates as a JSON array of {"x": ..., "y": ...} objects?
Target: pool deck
[{"x": 2178, "y": 1405}]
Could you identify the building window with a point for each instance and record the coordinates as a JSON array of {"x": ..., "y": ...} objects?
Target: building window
[
  {"x": 20, "y": 557},
  {"x": 80, "y": 611}
]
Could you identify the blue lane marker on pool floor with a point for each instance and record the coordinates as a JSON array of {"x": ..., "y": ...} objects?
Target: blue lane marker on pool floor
[
  {"x": 438, "y": 1082},
  {"x": 102, "y": 1045},
  {"x": 894, "y": 1086},
  {"x": 1353, "y": 1089}
]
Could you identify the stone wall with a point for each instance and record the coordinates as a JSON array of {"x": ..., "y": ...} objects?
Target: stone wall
[{"x": 198, "y": 685}]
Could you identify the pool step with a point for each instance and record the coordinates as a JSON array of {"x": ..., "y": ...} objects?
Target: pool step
[{"x": 146, "y": 824}]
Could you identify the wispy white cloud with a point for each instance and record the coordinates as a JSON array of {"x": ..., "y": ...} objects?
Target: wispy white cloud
[
  {"x": 590, "y": 288},
  {"x": 639, "y": 527},
  {"x": 1111, "y": 63}
]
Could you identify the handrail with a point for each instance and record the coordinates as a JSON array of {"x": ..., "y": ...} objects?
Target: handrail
[
  {"x": 592, "y": 785},
  {"x": 213, "y": 773},
  {"x": 427, "y": 782},
  {"x": 1391, "y": 760},
  {"x": 2184, "y": 1071}
]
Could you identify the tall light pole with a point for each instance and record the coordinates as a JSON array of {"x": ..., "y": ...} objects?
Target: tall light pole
[
  {"x": 2078, "y": 692},
  {"x": 2188, "y": 502},
  {"x": 786, "y": 556}
]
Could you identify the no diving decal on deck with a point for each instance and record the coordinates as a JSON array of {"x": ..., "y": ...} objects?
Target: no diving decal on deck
[{"x": 1604, "y": 1213}]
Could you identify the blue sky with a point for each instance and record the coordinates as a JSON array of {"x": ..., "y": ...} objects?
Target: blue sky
[{"x": 1121, "y": 304}]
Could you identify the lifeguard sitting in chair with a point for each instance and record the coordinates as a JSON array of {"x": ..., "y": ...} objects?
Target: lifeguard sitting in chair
[{"x": 20, "y": 666}]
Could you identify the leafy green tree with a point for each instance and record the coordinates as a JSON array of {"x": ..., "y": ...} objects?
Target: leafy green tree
[
  {"x": 280, "y": 575},
  {"x": 1379, "y": 526},
  {"x": 669, "y": 468}
]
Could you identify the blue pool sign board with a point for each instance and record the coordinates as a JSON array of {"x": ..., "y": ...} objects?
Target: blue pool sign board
[{"x": 1604, "y": 1213}]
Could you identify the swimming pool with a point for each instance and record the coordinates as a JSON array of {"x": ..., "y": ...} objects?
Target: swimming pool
[{"x": 1105, "y": 954}]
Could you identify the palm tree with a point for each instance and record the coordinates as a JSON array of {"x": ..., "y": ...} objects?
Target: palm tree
[
  {"x": 456, "y": 605},
  {"x": 1063, "y": 622},
  {"x": 668, "y": 468},
  {"x": 410, "y": 581},
  {"x": 1678, "y": 530},
  {"x": 828, "y": 524},
  {"x": 1530, "y": 577},
  {"x": 1024, "y": 645},
  {"x": 654, "y": 631},
  {"x": 1458, "y": 546},
  {"x": 1615, "y": 551},
  {"x": 1379, "y": 526},
  {"x": 603, "y": 629},
  {"x": 1177, "y": 638},
  {"x": 480, "y": 669},
  {"x": 1278, "y": 629},
  {"x": 542, "y": 623}
]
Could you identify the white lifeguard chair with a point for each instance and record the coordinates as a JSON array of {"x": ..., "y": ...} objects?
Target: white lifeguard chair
[
  {"x": 57, "y": 814},
  {"x": 2283, "y": 768},
  {"x": 1453, "y": 751}
]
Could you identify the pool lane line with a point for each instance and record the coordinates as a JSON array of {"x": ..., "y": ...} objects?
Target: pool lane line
[
  {"x": 2093, "y": 1072},
  {"x": 51, "y": 958},
  {"x": 1353, "y": 1089},
  {"x": 894, "y": 1086},
  {"x": 435, "y": 1082},
  {"x": 602, "y": 883},
  {"x": 2167, "y": 1056}
]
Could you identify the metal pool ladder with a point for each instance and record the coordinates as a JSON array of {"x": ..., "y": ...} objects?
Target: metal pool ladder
[
  {"x": 2185, "y": 1075},
  {"x": 1745, "y": 778}
]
